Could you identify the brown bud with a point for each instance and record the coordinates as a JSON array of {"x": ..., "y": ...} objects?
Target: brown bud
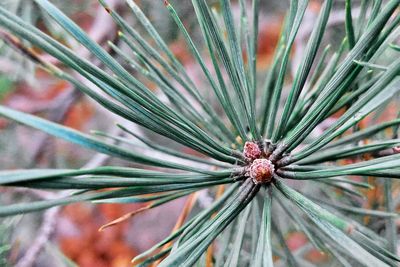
[
  {"x": 261, "y": 171},
  {"x": 251, "y": 150}
]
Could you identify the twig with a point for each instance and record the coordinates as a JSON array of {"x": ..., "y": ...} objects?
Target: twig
[
  {"x": 45, "y": 232},
  {"x": 58, "y": 113}
]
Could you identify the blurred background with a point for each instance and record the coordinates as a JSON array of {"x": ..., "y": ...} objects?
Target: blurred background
[{"x": 69, "y": 236}]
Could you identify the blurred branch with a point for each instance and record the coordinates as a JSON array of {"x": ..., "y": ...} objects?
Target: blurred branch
[
  {"x": 57, "y": 113},
  {"x": 45, "y": 232}
]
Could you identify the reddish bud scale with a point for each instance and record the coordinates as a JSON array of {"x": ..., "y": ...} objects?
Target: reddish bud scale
[
  {"x": 261, "y": 171},
  {"x": 251, "y": 150}
]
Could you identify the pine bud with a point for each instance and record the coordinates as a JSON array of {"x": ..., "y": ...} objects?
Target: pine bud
[
  {"x": 261, "y": 171},
  {"x": 251, "y": 150}
]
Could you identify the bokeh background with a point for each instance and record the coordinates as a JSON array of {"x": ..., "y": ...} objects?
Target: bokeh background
[{"x": 69, "y": 236}]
